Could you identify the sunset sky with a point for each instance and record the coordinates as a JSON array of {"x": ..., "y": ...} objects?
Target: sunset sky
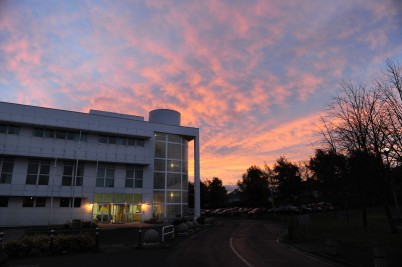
[{"x": 254, "y": 76}]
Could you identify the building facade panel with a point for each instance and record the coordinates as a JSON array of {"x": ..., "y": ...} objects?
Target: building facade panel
[{"x": 98, "y": 166}]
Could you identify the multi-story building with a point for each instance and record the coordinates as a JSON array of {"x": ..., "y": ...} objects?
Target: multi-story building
[{"x": 58, "y": 165}]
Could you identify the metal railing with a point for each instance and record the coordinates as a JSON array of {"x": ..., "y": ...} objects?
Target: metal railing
[{"x": 167, "y": 230}]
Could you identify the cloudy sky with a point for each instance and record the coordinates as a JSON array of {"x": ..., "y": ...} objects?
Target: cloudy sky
[{"x": 253, "y": 75}]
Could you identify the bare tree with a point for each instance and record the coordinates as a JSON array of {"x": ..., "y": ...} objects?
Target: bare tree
[{"x": 357, "y": 124}]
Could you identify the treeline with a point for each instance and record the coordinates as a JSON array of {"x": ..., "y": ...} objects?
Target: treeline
[{"x": 358, "y": 162}]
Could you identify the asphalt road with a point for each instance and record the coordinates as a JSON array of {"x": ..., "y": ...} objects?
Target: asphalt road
[
  {"x": 237, "y": 242},
  {"x": 248, "y": 243}
]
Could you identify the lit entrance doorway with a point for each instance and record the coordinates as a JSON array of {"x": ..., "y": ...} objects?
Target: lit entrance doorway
[{"x": 119, "y": 212}]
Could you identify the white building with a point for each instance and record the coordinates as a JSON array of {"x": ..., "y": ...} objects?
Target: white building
[{"x": 57, "y": 166}]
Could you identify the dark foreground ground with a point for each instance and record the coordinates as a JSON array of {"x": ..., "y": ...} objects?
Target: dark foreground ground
[{"x": 119, "y": 246}]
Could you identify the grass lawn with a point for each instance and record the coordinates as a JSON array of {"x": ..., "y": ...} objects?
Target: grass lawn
[{"x": 354, "y": 242}]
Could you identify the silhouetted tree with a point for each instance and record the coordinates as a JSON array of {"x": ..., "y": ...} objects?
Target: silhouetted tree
[
  {"x": 288, "y": 179},
  {"x": 330, "y": 171},
  {"x": 360, "y": 123},
  {"x": 216, "y": 193},
  {"x": 254, "y": 187}
]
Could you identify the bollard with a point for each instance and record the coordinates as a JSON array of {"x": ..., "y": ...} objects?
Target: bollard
[
  {"x": 51, "y": 245},
  {"x": 97, "y": 238},
  {"x": 1, "y": 238},
  {"x": 330, "y": 245},
  {"x": 380, "y": 259},
  {"x": 139, "y": 239}
]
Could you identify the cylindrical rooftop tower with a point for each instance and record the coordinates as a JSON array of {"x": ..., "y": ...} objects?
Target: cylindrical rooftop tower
[{"x": 165, "y": 116}]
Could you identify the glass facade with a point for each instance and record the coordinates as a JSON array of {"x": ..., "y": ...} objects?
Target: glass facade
[{"x": 170, "y": 176}]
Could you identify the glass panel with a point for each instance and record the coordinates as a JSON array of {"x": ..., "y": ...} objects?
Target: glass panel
[
  {"x": 173, "y": 197},
  {"x": 160, "y": 150},
  {"x": 128, "y": 198},
  {"x": 100, "y": 182},
  {"x": 131, "y": 142},
  {"x": 173, "y": 211},
  {"x": 28, "y": 201},
  {"x": 43, "y": 179},
  {"x": 3, "y": 202},
  {"x": 174, "y": 138},
  {"x": 112, "y": 140},
  {"x": 174, "y": 151},
  {"x": 160, "y": 137},
  {"x": 137, "y": 198},
  {"x": 139, "y": 174},
  {"x": 40, "y": 202},
  {"x": 84, "y": 137},
  {"x": 119, "y": 197},
  {"x": 31, "y": 179},
  {"x": 60, "y": 135},
  {"x": 159, "y": 180},
  {"x": 159, "y": 165},
  {"x": 130, "y": 173},
  {"x": 121, "y": 141},
  {"x": 138, "y": 183},
  {"x": 72, "y": 136},
  {"x": 174, "y": 166},
  {"x": 185, "y": 182},
  {"x": 49, "y": 133},
  {"x": 173, "y": 181},
  {"x": 77, "y": 202},
  {"x": 140, "y": 142},
  {"x": 3, "y": 128},
  {"x": 38, "y": 132},
  {"x": 159, "y": 197},
  {"x": 102, "y": 139},
  {"x": 109, "y": 183},
  {"x": 129, "y": 183},
  {"x": 64, "y": 202},
  {"x": 108, "y": 197},
  {"x": 98, "y": 197},
  {"x": 13, "y": 130},
  {"x": 5, "y": 178}
]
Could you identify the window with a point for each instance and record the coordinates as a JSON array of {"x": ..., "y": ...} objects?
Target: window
[
  {"x": 121, "y": 140},
  {"x": 159, "y": 165},
  {"x": 6, "y": 168},
  {"x": 3, "y": 202},
  {"x": 102, "y": 139},
  {"x": 38, "y": 132},
  {"x": 174, "y": 151},
  {"x": 174, "y": 166},
  {"x": 112, "y": 140},
  {"x": 3, "y": 128},
  {"x": 160, "y": 150},
  {"x": 140, "y": 142},
  {"x": 9, "y": 129},
  {"x": 105, "y": 176},
  {"x": 65, "y": 202},
  {"x": 84, "y": 137},
  {"x": 72, "y": 136},
  {"x": 38, "y": 172},
  {"x": 48, "y": 133},
  {"x": 28, "y": 202},
  {"x": 60, "y": 134},
  {"x": 40, "y": 202},
  {"x": 173, "y": 181},
  {"x": 70, "y": 172},
  {"x": 134, "y": 177},
  {"x": 159, "y": 180},
  {"x": 13, "y": 129},
  {"x": 131, "y": 142}
]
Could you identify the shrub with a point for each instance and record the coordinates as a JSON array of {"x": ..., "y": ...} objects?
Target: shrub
[{"x": 40, "y": 244}]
